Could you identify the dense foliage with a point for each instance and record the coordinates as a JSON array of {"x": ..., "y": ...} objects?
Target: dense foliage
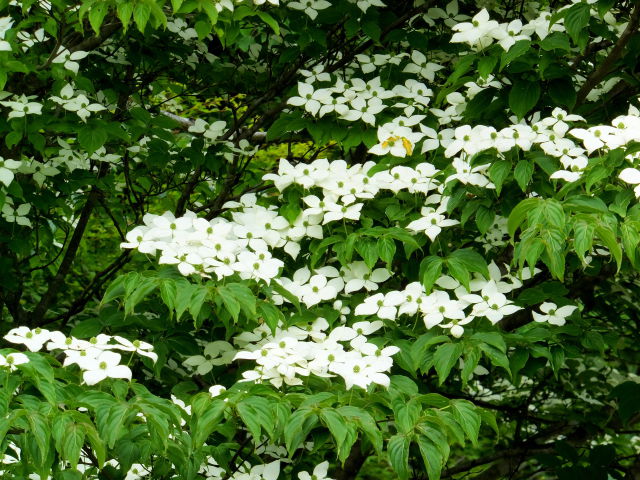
[{"x": 319, "y": 239}]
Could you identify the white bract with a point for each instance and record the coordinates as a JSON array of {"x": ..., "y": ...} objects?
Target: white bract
[{"x": 553, "y": 314}]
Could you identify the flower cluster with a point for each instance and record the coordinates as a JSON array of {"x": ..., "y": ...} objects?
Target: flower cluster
[
  {"x": 218, "y": 246},
  {"x": 361, "y": 100},
  {"x": 328, "y": 282},
  {"x": 95, "y": 357},
  {"x": 79, "y": 104},
  {"x": 295, "y": 352},
  {"x": 450, "y": 305}
]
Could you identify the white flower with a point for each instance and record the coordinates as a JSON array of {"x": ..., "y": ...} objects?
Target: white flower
[
  {"x": 432, "y": 222},
  {"x": 632, "y": 176},
  {"x": 478, "y": 33},
  {"x": 136, "y": 472},
  {"x": 310, "y": 99},
  {"x": 319, "y": 473},
  {"x": 358, "y": 276},
  {"x": 383, "y": 306},
  {"x": 508, "y": 34},
  {"x": 398, "y": 141},
  {"x": 310, "y": 7},
  {"x": 70, "y": 60},
  {"x": 320, "y": 289},
  {"x": 12, "y": 359},
  {"x": 552, "y": 314},
  {"x": 216, "y": 390},
  {"x": 438, "y": 306},
  {"x": 105, "y": 365},
  {"x": 420, "y": 66},
  {"x": 491, "y": 303},
  {"x": 83, "y": 107},
  {"x": 34, "y": 339},
  {"x": 141, "y": 348},
  {"x": 7, "y": 168},
  {"x": 22, "y": 107}
]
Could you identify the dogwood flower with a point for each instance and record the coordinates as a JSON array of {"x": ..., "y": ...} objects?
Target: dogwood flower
[
  {"x": 34, "y": 339},
  {"x": 319, "y": 473},
  {"x": 12, "y": 360},
  {"x": 105, "y": 365},
  {"x": 491, "y": 303},
  {"x": 432, "y": 222},
  {"x": 552, "y": 314},
  {"x": 310, "y": 7},
  {"x": 632, "y": 176},
  {"x": 381, "y": 305},
  {"x": 7, "y": 168}
]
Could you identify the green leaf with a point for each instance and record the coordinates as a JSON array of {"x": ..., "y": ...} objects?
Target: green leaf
[
  {"x": 184, "y": 292},
  {"x": 113, "y": 425},
  {"x": 210, "y": 9},
  {"x": 557, "y": 359},
  {"x": 630, "y": 240},
  {"x": 231, "y": 304},
  {"x": 462, "y": 66},
  {"x": 562, "y": 91},
  {"x": 336, "y": 424},
  {"x": 68, "y": 437},
  {"x": 366, "y": 423},
  {"x": 368, "y": 250},
  {"x": 445, "y": 357},
  {"x": 300, "y": 424},
  {"x": 271, "y": 315},
  {"x": 486, "y": 65},
  {"x": 269, "y": 20},
  {"x": 604, "y": 6},
  {"x": 39, "y": 428},
  {"x": 207, "y": 421},
  {"x": 466, "y": 415},
  {"x": 141, "y": 15},
  {"x": 523, "y": 97},
  {"x": 459, "y": 271},
  {"x": 471, "y": 360},
  {"x": 91, "y": 138},
  {"x": 495, "y": 356},
  {"x": 517, "y": 49},
  {"x": 519, "y": 214},
  {"x": 406, "y": 414},
  {"x": 627, "y": 395},
  {"x": 556, "y": 40},
  {"x": 576, "y": 19},
  {"x": 431, "y": 456},
  {"x": 609, "y": 239},
  {"x": 523, "y": 173},
  {"x": 484, "y": 219},
  {"x": 286, "y": 294},
  {"x": 386, "y": 249},
  {"x": 472, "y": 260},
  {"x": 498, "y": 173},
  {"x": 398, "y": 452},
  {"x": 256, "y": 414},
  {"x": 144, "y": 287},
  {"x": 430, "y": 271},
  {"x": 492, "y": 338},
  {"x": 583, "y": 232},
  {"x": 584, "y": 203},
  {"x": 96, "y": 15},
  {"x": 168, "y": 293},
  {"x": 244, "y": 296}
]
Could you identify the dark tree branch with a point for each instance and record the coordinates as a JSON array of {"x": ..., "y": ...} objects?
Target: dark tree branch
[
  {"x": 606, "y": 66},
  {"x": 67, "y": 261}
]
